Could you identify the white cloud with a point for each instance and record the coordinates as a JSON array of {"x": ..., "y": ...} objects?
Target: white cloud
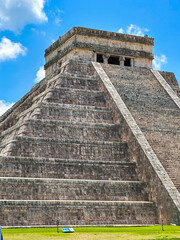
[
  {"x": 158, "y": 61},
  {"x": 134, "y": 30},
  {"x": 57, "y": 21},
  {"x": 56, "y": 16},
  {"x": 15, "y": 14},
  {"x": 40, "y": 74},
  {"x": 10, "y": 50},
  {"x": 139, "y": 31},
  {"x": 121, "y": 30},
  {"x": 4, "y": 106}
]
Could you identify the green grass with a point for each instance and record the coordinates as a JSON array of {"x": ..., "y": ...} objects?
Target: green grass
[{"x": 95, "y": 233}]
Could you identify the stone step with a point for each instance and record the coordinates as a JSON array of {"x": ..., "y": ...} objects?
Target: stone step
[
  {"x": 63, "y": 129},
  {"x": 143, "y": 91},
  {"x": 75, "y": 81},
  {"x": 68, "y": 149},
  {"x": 70, "y": 81},
  {"x": 76, "y": 212},
  {"x": 71, "y": 130},
  {"x": 58, "y": 128},
  {"x": 126, "y": 73},
  {"x": 78, "y": 68},
  {"x": 9, "y": 133},
  {"x": 158, "y": 101},
  {"x": 174, "y": 176},
  {"x": 67, "y": 112},
  {"x": 67, "y": 168},
  {"x": 156, "y": 114},
  {"x": 72, "y": 96},
  {"x": 71, "y": 189}
]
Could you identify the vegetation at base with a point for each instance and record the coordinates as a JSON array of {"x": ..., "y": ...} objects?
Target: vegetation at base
[{"x": 95, "y": 233}]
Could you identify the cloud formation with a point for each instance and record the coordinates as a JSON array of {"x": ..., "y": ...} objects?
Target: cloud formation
[
  {"x": 56, "y": 16},
  {"x": 138, "y": 31},
  {"x": 134, "y": 30},
  {"x": 15, "y": 14},
  {"x": 158, "y": 61},
  {"x": 121, "y": 30},
  {"x": 10, "y": 50},
  {"x": 4, "y": 106},
  {"x": 40, "y": 74}
]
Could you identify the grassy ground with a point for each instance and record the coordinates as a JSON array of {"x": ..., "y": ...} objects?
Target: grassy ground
[{"x": 96, "y": 233}]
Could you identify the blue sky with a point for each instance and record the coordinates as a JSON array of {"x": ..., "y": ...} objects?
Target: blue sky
[{"x": 28, "y": 27}]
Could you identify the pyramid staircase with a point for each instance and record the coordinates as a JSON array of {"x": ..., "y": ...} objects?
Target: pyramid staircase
[
  {"x": 64, "y": 159},
  {"x": 154, "y": 111}
]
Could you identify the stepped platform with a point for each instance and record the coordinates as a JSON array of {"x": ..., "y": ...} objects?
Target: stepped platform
[
  {"x": 71, "y": 189},
  {"x": 64, "y": 158},
  {"x": 86, "y": 82},
  {"x": 63, "y": 129},
  {"x": 67, "y": 112},
  {"x": 76, "y": 212},
  {"x": 72, "y": 130},
  {"x": 70, "y": 95},
  {"x": 67, "y": 168},
  {"x": 44, "y": 147},
  {"x": 92, "y": 143}
]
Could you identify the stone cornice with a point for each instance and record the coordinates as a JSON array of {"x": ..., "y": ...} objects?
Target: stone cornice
[
  {"x": 59, "y": 55},
  {"x": 101, "y": 34},
  {"x": 99, "y": 48}
]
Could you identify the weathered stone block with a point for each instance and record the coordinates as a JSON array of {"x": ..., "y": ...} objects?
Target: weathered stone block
[
  {"x": 70, "y": 81},
  {"x": 61, "y": 189},
  {"x": 67, "y": 168},
  {"x": 71, "y": 130},
  {"x": 68, "y": 149},
  {"x": 73, "y": 113},
  {"x": 72, "y": 96},
  {"x": 20, "y": 213}
]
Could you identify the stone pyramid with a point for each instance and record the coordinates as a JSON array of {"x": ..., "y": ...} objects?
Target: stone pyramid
[{"x": 90, "y": 143}]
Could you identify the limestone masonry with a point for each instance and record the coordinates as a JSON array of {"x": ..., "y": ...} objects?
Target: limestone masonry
[{"x": 97, "y": 141}]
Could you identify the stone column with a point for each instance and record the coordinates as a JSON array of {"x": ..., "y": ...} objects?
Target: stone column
[
  {"x": 121, "y": 60},
  {"x": 94, "y": 57},
  {"x": 132, "y": 62},
  {"x": 106, "y": 56}
]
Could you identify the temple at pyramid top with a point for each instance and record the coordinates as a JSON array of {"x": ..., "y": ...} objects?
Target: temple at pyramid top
[{"x": 99, "y": 46}]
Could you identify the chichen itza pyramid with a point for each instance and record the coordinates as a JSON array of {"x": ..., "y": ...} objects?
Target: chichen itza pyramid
[{"x": 97, "y": 141}]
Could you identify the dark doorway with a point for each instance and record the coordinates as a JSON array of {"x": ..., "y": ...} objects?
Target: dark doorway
[
  {"x": 127, "y": 62},
  {"x": 113, "y": 60},
  {"x": 100, "y": 58}
]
